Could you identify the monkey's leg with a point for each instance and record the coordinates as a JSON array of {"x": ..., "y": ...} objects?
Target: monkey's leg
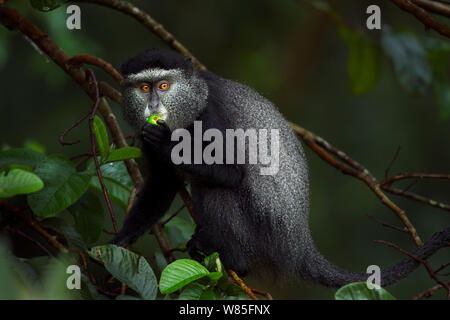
[
  {"x": 221, "y": 227},
  {"x": 203, "y": 243}
]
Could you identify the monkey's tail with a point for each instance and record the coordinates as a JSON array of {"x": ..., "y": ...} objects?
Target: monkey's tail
[{"x": 316, "y": 268}]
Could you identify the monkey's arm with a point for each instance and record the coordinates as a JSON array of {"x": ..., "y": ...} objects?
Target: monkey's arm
[
  {"x": 152, "y": 202},
  {"x": 222, "y": 175},
  {"x": 157, "y": 143}
]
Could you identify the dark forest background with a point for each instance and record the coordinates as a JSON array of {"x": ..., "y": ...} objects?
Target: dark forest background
[{"x": 293, "y": 55}]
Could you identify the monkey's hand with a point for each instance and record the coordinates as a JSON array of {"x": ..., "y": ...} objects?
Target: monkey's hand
[{"x": 157, "y": 137}]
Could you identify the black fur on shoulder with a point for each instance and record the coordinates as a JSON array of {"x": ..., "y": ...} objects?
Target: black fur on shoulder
[{"x": 155, "y": 58}]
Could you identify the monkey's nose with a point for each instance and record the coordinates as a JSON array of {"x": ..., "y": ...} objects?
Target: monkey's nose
[{"x": 147, "y": 112}]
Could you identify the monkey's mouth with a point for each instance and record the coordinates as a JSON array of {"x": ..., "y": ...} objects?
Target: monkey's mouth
[{"x": 148, "y": 113}]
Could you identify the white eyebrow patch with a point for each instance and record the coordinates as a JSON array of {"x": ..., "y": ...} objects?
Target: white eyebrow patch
[{"x": 151, "y": 75}]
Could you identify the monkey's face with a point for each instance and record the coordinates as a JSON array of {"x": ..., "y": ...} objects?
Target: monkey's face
[{"x": 178, "y": 98}]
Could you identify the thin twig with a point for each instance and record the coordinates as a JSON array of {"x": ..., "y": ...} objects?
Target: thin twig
[
  {"x": 442, "y": 267},
  {"x": 265, "y": 294},
  {"x": 409, "y": 186},
  {"x": 163, "y": 223},
  {"x": 242, "y": 284},
  {"x": 178, "y": 250},
  {"x": 80, "y": 59},
  {"x": 429, "y": 292},
  {"x": 148, "y": 21},
  {"x": 94, "y": 108},
  {"x": 35, "y": 225},
  {"x": 77, "y": 123},
  {"x": 387, "y": 224},
  {"x": 323, "y": 149},
  {"x": 131, "y": 199},
  {"x": 83, "y": 259},
  {"x": 416, "y": 197},
  {"x": 186, "y": 197},
  {"x": 425, "y": 263},
  {"x": 415, "y": 175},
  {"x": 386, "y": 172},
  {"x": 24, "y": 235}
]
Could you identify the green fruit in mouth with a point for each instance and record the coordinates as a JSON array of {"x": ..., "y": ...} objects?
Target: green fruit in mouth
[{"x": 154, "y": 119}]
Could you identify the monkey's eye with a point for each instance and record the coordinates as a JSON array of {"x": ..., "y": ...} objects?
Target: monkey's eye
[
  {"x": 145, "y": 87},
  {"x": 163, "y": 86}
]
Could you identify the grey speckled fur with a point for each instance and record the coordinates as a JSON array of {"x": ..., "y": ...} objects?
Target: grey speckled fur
[{"x": 262, "y": 225}]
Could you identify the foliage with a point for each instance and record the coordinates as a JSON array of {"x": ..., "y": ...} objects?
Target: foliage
[
  {"x": 65, "y": 196},
  {"x": 129, "y": 268},
  {"x": 360, "y": 291},
  {"x": 46, "y": 5},
  {"x": 207, "y": 281},
  {"x": 55, "y": 186},
  {"x": 19, "y": 181}
]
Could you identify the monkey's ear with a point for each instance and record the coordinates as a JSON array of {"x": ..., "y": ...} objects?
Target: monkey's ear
[{"x": 190, "y": 66}]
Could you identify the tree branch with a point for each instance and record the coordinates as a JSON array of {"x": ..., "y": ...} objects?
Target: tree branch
[
  {"x": 14, "y": 21},
  {"x": 80, "y": 59},
  {"x": 148, "y": 21},
  {"x": 421, "y": 14},
  {"x": 93, "y": 111},
  {"x": 431, "y": 272},
  {"x": 353, "y": 168},
  {"x": 437, "y": 7}
]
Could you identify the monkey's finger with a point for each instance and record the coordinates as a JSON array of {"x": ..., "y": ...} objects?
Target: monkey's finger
[
  {"x": 152, "y": 140},
  {"x": 163, "y": 124},
  {"x": 158, "y": 131}
]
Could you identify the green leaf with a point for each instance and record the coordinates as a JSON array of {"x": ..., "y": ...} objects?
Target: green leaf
[
  {"x": 208, "y": 295},
  {"x": 88, "y": 216},
  {"x": 160, "y": 260},
  {"x": 231, "y": 291},
  {"x": 117, "y": 181},
  {"x": 180, "y": 273},
  {"x": 101, "y": 136},
  {"x": 192, "y": 291},
  {"x": 364, "y": 61},
  {"x": 88, "y": 290},
  {"x": 212, "y": 262},
  {"x": 48, "y": 279},
  {"x": 129, "y": 268},
  {"x": 409, "y": 58},
  {"x": 8, "y": 288},
  {"x": 179, "y": 231},
  {"x": 359, "y": 291},
  {"x": 124, "y": 154},
  {"x": 46, "y": 5},
  {"x": 216, "y": 268},
  {"x": 54, "y": 281},
  {"x": 20, "y": 156},
  {"x": 68, "y": 231},
  {"x": 33, "y": 145},
  {"x": 18, "y": 181},
  {"x": 63, "y": 186},
  {"x": 214, "y": 276}
]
